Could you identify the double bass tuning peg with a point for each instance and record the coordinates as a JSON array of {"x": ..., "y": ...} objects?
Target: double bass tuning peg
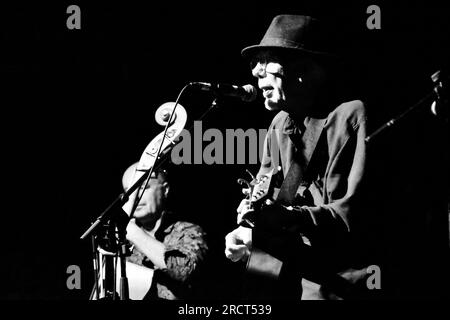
[
  {"x": 243, "y": 182},
  {"x": 165, "y": 115},
  {"x": 162, "y": 115},
  {"x": 246, "y": 191},
  {"x": 248, "y": 188},
  {"x": 250, "y": 174}
]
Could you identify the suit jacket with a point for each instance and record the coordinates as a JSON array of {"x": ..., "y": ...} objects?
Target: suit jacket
[{"x": 335, "y": 185}]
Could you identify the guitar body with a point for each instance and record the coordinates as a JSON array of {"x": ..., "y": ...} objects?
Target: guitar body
[
  {"x": 271, "y": 275},
  {"x": 139, "y": 280}
]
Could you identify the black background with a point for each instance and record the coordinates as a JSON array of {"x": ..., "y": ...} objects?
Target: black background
[{"x": 78, "y": 108}]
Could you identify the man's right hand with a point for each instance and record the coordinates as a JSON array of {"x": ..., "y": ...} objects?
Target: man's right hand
[{"x": 238, "y": 244}]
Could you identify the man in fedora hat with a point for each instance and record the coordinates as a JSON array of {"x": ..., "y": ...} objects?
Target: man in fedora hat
[{"x": 317, "y": 138}]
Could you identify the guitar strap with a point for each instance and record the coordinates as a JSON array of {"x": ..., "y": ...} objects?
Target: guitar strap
[{"x": 298, "y": 172}]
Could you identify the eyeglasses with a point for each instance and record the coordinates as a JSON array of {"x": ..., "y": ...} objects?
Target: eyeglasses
[{"x": 262, "y": 65}]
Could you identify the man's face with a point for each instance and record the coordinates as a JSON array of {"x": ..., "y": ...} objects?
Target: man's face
[
  {"x": 152, "y": 203},
  {"x": 270, "y": 75},
  {"x": 287, "y": 85}
]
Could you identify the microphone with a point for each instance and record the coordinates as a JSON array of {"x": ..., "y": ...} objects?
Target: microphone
[
  {"x": 246, "y": 93},
  {"x": 440, "y": 105}
]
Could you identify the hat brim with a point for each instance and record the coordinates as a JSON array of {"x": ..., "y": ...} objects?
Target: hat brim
[{"x": 250, "y": 51}]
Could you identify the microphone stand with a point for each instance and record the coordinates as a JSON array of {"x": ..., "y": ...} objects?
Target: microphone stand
[
  {"x": 438, "y": 85},
  {"x": 95, "y": 260},
  {"x": 116, "y": 215},
  {"x": 394, "y": 120},
  {"x": 124, "y": 290}
]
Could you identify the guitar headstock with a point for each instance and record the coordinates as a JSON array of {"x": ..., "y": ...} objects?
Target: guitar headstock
[
  {"x": 265, "y": 187},
  {"x": 260, "y": 190}
]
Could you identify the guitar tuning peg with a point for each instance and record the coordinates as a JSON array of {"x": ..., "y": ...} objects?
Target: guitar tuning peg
[
  {"x": 246, "y": 191},
  {"x": 250, "y": 174},
  {"x": 243, "y": 182}
]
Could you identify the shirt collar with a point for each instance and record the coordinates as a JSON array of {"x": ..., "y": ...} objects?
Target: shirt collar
[{"x": 291, "y": 126}]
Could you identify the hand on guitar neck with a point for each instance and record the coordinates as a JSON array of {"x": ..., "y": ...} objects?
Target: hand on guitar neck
[
  {"x": 264, "y": 209},
  {"x": 261, "y": 191},
  {"x": 239, "y": 241},
  {"x": 260, "y": 210}
]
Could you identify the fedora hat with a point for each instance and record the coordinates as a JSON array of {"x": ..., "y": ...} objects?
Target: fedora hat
[{"x": 295, "y": 34}]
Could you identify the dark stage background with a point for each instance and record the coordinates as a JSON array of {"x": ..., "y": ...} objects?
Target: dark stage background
[{"x": 78, "y": 108}]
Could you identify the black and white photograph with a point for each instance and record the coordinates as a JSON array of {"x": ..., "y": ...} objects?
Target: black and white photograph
[{"x": 229, "y": 156}]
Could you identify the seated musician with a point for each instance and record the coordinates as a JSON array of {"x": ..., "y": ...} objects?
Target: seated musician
[{"x": 175, "y": 249}]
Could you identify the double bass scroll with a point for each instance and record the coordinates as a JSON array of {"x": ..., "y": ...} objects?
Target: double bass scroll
[{"x": 149, "y": 156}]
